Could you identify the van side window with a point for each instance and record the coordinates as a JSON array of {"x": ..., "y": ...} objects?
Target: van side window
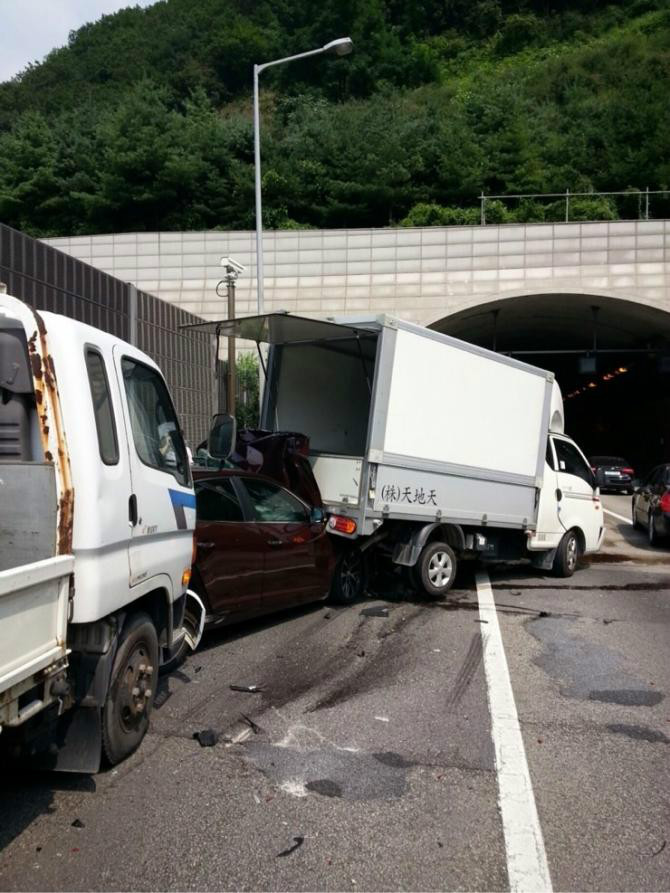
[
  {"x": 570, "y": 462},
  {"x": 102, "y": 407},
  {"x": 156, "y": 433},
  {"x": 550, "y": 456}
]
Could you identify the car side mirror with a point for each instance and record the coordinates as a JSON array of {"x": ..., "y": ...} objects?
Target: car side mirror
[
  {"x": 222, "y": 436},
  {"x": 317, "y": 516}
]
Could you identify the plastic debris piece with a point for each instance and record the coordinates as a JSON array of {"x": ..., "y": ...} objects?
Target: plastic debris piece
[
  {"x": 660, "y": 849},
  {"x": 437, "y": 650},
  {"x": 481, "y": 621},
  {"x": 382, "y": 718},
  {"x": 375, "y": 611},
  {"x": 257, "y": 798},
  {"x": 255, "y": 728},
  {"x": 78, "y": 824},
  {"x": 206, "y": 738},
  {"x": 299, "y": 840},
  {"x": 197, "y": 669},
  {"x": 250, "y": 689}
]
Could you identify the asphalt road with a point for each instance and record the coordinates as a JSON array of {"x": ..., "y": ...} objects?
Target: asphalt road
[{"x": 373, "y": 763}]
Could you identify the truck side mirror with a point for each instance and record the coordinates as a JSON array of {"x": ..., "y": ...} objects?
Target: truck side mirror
[{"x": 222, "y": 436}]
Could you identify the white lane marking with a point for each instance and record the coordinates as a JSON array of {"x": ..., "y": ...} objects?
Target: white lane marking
[
  {"x": 619, "y": 517},
  {"x": 527, "y": 867}
]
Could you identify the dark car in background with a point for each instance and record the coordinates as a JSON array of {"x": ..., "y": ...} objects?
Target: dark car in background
[
  {"x": 651, "y": 504},
  {"x": 613, "y": 473}
]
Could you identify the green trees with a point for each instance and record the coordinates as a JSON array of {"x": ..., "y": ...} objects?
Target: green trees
[{"x": 144, "y": 121}]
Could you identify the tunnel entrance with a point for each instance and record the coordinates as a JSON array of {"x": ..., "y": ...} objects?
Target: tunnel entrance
[{"x": 611, "y": 358}]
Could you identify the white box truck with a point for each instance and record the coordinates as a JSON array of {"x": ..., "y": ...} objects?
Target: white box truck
[
  {"x": 426, "y": 448},
  {"x": 97, "y": 512}
]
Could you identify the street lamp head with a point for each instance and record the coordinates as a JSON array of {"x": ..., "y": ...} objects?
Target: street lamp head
[{"x": 340, "y": 47}]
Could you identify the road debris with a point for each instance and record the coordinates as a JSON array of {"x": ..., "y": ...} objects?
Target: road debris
[
  {"x": 250, "y": 689},
  {"x": 78, "y": 824},
  {"x": 299, "y": 840},
  {"x": 382, "y": 718},
  {"x": 481, "y": 621},
  {"x": 375, "y": 611},
  {"x": 327, "y": 615},
  {"x": 255, "y": 728},
  {"x": 660, "y": 849},
  {"x": 206, "y": 737},
  {"x": 361, "y": 653}
]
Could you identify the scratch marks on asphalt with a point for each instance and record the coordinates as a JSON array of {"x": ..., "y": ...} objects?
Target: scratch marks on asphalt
[{"x": 466, "y": 674}]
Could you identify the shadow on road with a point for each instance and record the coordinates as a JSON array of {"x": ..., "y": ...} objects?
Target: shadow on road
[{"x": 26, "y": 795}]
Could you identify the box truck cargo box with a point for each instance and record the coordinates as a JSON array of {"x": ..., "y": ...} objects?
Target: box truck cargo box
[{"x": 418, "y": 438}]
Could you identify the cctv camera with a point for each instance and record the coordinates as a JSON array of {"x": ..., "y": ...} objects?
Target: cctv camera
[{"x": 232, "y": 264}]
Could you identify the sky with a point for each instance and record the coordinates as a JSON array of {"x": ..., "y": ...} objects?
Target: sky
[{"x": 32, "y": 28}]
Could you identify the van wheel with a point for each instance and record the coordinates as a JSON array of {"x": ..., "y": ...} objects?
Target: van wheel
[
  {"x": 349, "y": 577},
  {"x": 436, "y": 568},
  {"x": 567, "y": 555},
  {"x": 125, "y": 714}
]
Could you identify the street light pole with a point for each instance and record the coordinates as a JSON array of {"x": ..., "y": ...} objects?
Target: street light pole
[{"x": 340, "y": 47}]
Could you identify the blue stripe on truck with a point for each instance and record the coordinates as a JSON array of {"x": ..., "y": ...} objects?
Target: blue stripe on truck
[{"x": 181, "y": 501}]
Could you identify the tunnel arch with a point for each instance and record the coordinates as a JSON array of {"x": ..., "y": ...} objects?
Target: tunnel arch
[{"x": 610, "y": 354}]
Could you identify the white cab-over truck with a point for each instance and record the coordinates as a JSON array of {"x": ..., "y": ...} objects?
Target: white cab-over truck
[
  {"x": 427, "y": 449},
  {"x": 97, "y": 513}
]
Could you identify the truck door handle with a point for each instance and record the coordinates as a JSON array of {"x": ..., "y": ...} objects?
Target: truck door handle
[
  {"x": 206, "y": 545},
  {"x": 132, "y": 510},
  {"x": 275, "y": 542},
  {"x": 559, "y": 495}
]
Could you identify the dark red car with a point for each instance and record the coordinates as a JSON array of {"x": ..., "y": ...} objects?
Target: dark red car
[{"x": 259, "y": 547}]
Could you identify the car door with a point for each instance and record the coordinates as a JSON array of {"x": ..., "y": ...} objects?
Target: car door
[
  {"x": 230, "y": 550},
  {"x": 644, "y": 496},
  {"x": 658, "y": 486},
  {"x": 161, "y": 507},
  {"x": 291, "y": 572},
  {"x": 578, "y": 505}
]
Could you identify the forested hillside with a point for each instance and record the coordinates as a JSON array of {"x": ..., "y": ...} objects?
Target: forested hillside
[{"x": 143, "y": 121}]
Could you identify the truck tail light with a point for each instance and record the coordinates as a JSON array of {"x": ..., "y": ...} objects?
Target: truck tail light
[
  {"x": 341, "y": 524},
  {"x": 665, "y": 502}
]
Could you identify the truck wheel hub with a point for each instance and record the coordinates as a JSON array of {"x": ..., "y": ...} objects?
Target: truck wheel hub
[{"x": 439, "y": 569}]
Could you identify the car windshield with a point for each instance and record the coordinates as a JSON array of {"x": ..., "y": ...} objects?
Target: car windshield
[{"x": 607, "y": 460}]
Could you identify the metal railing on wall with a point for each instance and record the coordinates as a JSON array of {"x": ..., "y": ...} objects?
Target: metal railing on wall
[
  {"x": 49, "y": 279},
  {"x": 627, "y": 204}
]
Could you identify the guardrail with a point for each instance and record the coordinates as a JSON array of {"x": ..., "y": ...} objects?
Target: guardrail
[{"x": 622, "y": 203}]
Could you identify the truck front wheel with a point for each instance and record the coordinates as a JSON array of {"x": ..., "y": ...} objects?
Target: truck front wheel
[
  {"x": 436, "y": 568},
  {"x": 132, "y": 686},
  {"x": 567, "y": 555}
]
